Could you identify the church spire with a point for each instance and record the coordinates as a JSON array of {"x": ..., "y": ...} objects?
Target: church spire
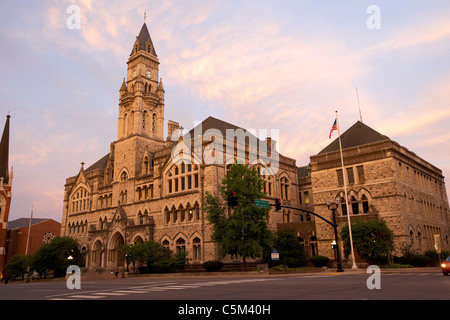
[
  {"x": 144, "y": 42},
  {"x": 4, "y": 152}
]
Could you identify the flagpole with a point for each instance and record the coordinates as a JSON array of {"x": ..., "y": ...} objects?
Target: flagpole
[{"x": 354, "y": 266}]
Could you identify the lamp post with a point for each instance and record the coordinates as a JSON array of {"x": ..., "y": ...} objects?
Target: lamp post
[{"x": 333, "y": 206}]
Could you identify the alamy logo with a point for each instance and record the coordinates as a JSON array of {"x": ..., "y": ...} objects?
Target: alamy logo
[
  {"x": 374, "y": 20},
  {"x": 238, "y": 146},
  {"x": 374, "y": 281},
  {"x": 74, "y": 280},
  {"x": 74, "y": 20}
]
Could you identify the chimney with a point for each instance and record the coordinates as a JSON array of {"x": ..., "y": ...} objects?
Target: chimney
[
  {"x": 271, "y": 144},
  {"x": 171, "y": 127}
]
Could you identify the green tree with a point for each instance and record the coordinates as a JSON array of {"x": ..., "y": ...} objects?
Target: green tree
[
  {"x": 132, "y": 253},
  {"x": 292, "y": 253},
  {"x": 18, "y": 266},
  {"x": 155, "y": 256},
  {"x": 371, "y": 239},
  {"x": 241, "y": 231},
  {"x": 55, "y": 256}
]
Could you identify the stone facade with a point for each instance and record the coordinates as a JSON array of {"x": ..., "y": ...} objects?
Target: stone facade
[
  {"x": 138, "y": 192},
  {"x": 385, "y": 181},
  {"x": 151, "y": 188}
]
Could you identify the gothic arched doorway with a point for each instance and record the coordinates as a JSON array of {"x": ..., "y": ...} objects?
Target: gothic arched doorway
[
  {"x": 97, "y": 254},
  {"x": 114, "y": 257}
]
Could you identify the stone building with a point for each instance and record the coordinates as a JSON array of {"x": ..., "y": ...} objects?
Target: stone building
[
  {"x": 152, "y": 188},
  {"x": 6, "y": 178},
  {"x": 385, "y": 181},
  {"x": 146, "y": 189}
]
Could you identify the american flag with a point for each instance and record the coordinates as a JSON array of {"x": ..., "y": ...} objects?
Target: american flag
[{"x": 334, "y": 127}]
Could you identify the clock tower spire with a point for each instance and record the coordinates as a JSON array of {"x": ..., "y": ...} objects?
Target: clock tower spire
[
  {"x": 141, "y": 111},
  {"x": 141, "y": 105}
]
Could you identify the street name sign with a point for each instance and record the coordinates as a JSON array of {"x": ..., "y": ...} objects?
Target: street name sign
[{"x": 262, "y": 204}]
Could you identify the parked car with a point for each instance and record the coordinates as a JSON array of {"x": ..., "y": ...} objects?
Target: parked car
[{"x": 445, "y": 266}]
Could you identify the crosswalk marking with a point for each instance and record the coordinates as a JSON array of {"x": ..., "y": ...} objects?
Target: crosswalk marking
[
  {"x": 109, "y": 293},
  {"x": 151, "y": 288},
  {"x": 129, "y": 291},
  {"x": 79, "y": 296}
]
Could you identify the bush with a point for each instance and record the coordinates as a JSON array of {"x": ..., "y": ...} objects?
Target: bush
[
  {"x": 156, "y": 257},
  {"x": 435, "y": 257},
  {"x": 212, "y": 266},
  {"x": 292, "y": 253},
  {"x": 319, "y": 261},
  {"x": 419, "y": 260},
  {"x": 281, "y": 267}
]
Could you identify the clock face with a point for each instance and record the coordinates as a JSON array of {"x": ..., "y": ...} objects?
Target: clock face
[
  {"x": 134, "y": 74},
  {"x": 149, "y": 74}
]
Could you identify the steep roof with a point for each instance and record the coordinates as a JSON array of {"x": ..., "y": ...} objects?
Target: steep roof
[
  {"x": 212, "y": 123},
  {"x": 4, "y": 152},
  {"x": 100, "y": 164},
  {"x": 357, "y": 135},
  {"x": 143, "y": 36}
]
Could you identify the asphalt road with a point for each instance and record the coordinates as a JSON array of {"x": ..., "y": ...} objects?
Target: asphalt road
[{"x": 427, "y": 285}]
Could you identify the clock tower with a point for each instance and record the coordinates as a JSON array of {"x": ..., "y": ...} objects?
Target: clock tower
[
  {"x": 141, "y": 111},
  {"x": 141, "y": 105}
]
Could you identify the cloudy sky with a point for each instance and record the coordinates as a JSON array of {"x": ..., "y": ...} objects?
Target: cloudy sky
[{"x": 259, "y": 64}]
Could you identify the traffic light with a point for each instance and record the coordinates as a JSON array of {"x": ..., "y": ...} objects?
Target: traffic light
[
  {"x": 277, "y": 204},
  {"x": 232, "y": 199}
]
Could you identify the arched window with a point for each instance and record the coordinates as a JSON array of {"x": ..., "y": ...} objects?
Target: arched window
[
  {"x": 144, "y": 115},
  {"x": 166, "y": 215},
  {"x": 80, "y": 200},
  {"x": 125, "y": 125},
  {"x": 154, "y": 123},
  {"x": 284, "y": 184},
  {"x": 131, "y": 122},
  {"x": 365, "y": 204},
  {"x": 123, "y": 197},
  {"x": 196, "y": 249},
  {"x": 355, "y": 207},
  {"x": 146, "y": 165},
  {"x": 124, "y": 176},
  {"x": 343, "y": 206},
  {"x": 181, "y": 245}
]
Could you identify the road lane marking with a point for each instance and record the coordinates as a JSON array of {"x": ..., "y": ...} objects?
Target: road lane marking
[
  {"x": 79, "y": 296},
  {"x": 109, "y": 293},
  {"x": 129, "y": 291}
]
